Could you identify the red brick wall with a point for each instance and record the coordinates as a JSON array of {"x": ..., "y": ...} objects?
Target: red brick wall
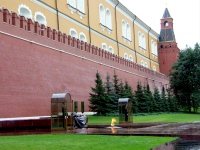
[
  {"x": 33, "y": 67},
  {"x": 168, "y": 55}
]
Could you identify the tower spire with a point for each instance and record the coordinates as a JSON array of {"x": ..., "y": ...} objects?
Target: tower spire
[{"x": 166, "y": 14}]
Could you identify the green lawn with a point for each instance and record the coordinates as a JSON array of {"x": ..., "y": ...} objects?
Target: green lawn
[
  {"x": 172, "y": 117},
  {"x": 96, "y": 142},
  {"x": 80, "y": 142}
]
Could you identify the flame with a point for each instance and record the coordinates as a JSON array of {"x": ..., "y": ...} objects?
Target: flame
[
  {"x": 113, "y": 122},
  {"x": 113, "y": 130}
]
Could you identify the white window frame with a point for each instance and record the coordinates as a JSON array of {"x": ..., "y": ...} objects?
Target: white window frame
[
  {"x": 75, "y": 6},
  {"x": 124, "y": 30},
  {"x": 108, "y": 19},
  {"x": 27, "y": 12},
  {"x": 104, "y": 46},
  {"x": 42, "y": 16},
  {"x": 154, "y": 68},
  {"x": 110, "y": 49},
  {"x": 143, "y": 42},
  {"x": 142, "y": 63},
  {"x": 140, "y": 39},
  {"x": 81, "y": 34},
  {"x": 125, "y": 56},
  {"x": 73, "y": 30},
  {"x": 128, "y": 32},
  {"x": 146, "y": 65},
  {"x": 72, "y": 5},
  {"x": 102, "y": 16},
  {"x": 154, "y": 48},
  {"x": 130, "y": 57},
  {"x": 81, "y": 10}
]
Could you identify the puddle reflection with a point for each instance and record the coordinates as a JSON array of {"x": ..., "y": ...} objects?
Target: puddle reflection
[{"x": 180, "y": 144}]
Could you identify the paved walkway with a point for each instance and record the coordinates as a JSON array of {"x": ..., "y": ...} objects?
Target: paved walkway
[{"x": 190, "y": 130}]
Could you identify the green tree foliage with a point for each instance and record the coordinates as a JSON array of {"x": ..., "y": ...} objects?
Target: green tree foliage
[
  {"x": 185, "y": 78},
  {"x": 111, "y": 96},
  {"x": 98, "y": 99},
  {"x": 157, "y": 98},
  {"x": 164, "y": 100},
  {"x": 172, "y": 101},
  {"x": 149, "y": 98},
  {"x": 121, "y": 92},
  {"x": 128, "y": 93},
  {"x": 141, "y": 99},
  {"x": 116, "y": 84}
]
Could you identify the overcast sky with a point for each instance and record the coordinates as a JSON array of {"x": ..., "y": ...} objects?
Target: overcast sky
[{"x": 185, "y": 14}]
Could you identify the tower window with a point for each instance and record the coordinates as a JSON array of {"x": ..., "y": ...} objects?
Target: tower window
[{"x": 166, "y": 24}]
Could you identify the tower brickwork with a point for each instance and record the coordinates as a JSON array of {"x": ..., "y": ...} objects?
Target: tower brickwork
[{"x": 168, "y": 50}]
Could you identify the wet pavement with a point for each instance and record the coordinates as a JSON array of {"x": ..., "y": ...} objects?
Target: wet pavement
[{"x": 189, "y": 133}]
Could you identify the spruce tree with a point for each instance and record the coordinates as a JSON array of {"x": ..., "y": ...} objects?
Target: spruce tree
[
  {"x": 149, "y": 98},
  {"x": 116, "y": 90},
  {"x": 158, "y": 102},
  {"x": 128, "y": 92},
  {"x": 111, "y": 96},
  {"x": 142, "y": 103},
  {"x": 121, "y": 93},
  {"x": 173, "y": 103},
  {"x": 98, "y": 99},
  {"x": 164, "y": 100}
]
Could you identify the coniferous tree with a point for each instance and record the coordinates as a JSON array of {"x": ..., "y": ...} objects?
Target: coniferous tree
[
  {"x": 158, "y": 102},
  {"x": 98, "y": 99},
  {"x": 128, "y": 92},
  {"x": 164, "y": 100},
  {"x": 111, "y": 96},
  {"x": 149, "y": 97},
  {"x": 173, "y": 103},
  {"x": 121, "y": 93},
  {"x": 116, "y": 89},
  {"x": 140, "y": 97}
]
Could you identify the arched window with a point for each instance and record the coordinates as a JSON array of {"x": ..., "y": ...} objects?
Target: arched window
[
  {"x": 125, "y": 55},
  {"x": 104, "y": 46},
  {"x": 108, "y": 19},
  {"x": 128, "y": 32},
  {"x": 142, "y": 63},
  {"x": 102, "y": 14},
  {"x": 72, "y": 3},
  {"x": 24, "y": 10},
  {"x": 143, "y": 42},
  {"x": 140, "y": 39},
  {"x": 40, "y": 18},
  {"x": 110, "y": 49},
  {"x": 145, "y": 64},
  {"x": 80, "y": 6},
  {"x": 123, "y": 28},
  {"x": 154, "y": 68},
  {"x": 73, "y": 33},
  {"x": 82, "y": 37},
  {"x": 152, "y": 47},
  {"x": 155, "y": 49},
  {"x": 130, "y": 58},
  {"x": 166, "y": 23}
]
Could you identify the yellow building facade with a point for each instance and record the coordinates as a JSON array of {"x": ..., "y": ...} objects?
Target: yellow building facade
[{"x": 107, "y": 24}]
